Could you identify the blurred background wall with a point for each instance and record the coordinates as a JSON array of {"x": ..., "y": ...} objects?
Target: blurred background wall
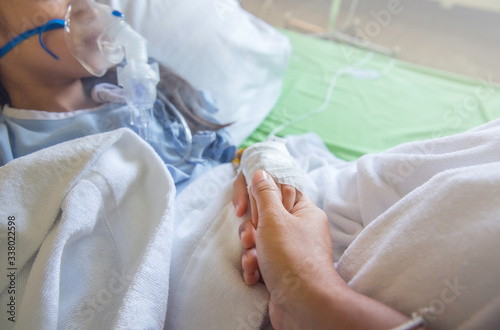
[{"x": 461, "y": 36}]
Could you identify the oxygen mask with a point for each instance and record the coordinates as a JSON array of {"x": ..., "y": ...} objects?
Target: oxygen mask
[{"x": 99, "y": 38}]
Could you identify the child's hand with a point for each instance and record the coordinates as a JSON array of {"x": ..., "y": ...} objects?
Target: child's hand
[
  {"x": 252, "y": 159},
  {"x": 272, "y": 156},
  {"x": 240, "y": 195}
]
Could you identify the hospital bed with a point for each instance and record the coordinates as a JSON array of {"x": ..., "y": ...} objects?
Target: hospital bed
[
  {"x": 373, "y": 106},
  {"x": 357, "y": 101}
]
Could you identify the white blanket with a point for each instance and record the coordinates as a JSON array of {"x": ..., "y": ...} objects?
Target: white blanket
[
  {"x": 418, "y": 226},
  {"x": 414, "y": 227},
  {"x": 94, "y": 221},
  {"x": 92, "y": 236},
  {"x": 207, "y": 289}
]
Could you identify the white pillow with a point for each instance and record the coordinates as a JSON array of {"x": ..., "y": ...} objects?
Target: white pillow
[{"x": 219, "y": 47}]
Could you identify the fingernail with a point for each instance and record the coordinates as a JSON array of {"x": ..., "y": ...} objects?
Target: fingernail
[
  {"x": 237, "y": 209},
  {"x": 243, "y": 260},
  {"x": 260, "y": 176}
]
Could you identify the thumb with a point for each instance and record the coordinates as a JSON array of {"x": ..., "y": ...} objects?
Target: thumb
[{"x": 267, "y": 198}]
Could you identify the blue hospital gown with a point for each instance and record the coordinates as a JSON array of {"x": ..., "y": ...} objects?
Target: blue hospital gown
[{"x": 25, "y": 131}]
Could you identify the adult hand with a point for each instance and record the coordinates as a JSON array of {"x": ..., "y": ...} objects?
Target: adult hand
[
  {"x": 294, "y": 254},
  {"x": 278, "y": 231},
  {"x": 293, "y": 247}
]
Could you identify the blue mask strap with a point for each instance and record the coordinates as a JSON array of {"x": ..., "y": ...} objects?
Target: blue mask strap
[{"x": 49, "y": 26}]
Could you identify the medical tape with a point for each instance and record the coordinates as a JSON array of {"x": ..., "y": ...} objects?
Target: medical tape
[{"x": 274, "y": 158}]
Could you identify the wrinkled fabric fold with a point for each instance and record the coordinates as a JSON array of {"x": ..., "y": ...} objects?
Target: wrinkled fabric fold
[{"x": 93, "y": 227}]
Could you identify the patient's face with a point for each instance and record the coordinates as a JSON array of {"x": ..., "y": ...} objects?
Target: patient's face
[{"x": 18, "y": 16}]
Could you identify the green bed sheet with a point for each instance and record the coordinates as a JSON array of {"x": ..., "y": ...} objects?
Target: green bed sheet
[{"x": 385, "y": 102}]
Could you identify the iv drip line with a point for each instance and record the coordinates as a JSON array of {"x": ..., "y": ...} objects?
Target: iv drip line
[{"x": 328, "y": 95}]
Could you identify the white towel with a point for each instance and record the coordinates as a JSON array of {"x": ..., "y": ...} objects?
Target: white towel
[{"x": 93, "y": 235}]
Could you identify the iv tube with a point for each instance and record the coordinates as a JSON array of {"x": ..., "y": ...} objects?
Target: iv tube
[
  {"x": 328, "y": 95},
  {"x": 187, "y": 130}
]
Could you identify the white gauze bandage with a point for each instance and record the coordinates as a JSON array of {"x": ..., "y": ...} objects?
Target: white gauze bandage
[{"x": 274, "y": 158}]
